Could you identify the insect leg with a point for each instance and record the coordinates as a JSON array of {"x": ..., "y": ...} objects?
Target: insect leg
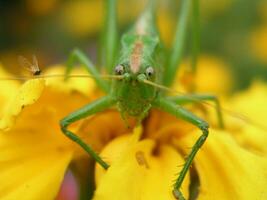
[
  {"x": 178, "y": 44},
  {"x": 110, "y": 35},
  {"x": 78, "y": 55},
  {"x": 90, "y": 109},
  {"x": 195, "y": 98},
  {"x": 179, "y": 112}
]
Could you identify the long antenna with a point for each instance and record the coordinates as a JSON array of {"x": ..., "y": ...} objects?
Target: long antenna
[
  {"x": 158, "y": 85},
  {"x": 227, "y": 111},
  {"x": 60, "y": 76},
  {"x": 36, "y": 72}
]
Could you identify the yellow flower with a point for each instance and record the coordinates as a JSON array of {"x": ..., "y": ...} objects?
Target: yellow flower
[
  {"x": 210, "y": 69},
  {"x": 252, "y": 105},
  {"x": 226, "y": 168},
  {"x": 6, "y": 87},
  {"x": 35, "y": 154},
  {"x": 28, "y": 158}
]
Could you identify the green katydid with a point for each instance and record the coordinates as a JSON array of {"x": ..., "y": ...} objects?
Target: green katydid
[
  {"x": 138, "y": 78},
  {"x": 139, "y": 72}
]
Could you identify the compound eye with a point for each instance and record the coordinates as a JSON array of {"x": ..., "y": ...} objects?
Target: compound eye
[
  {"x": 119, "y": 70},
  {"x": 149, "y": 71}
]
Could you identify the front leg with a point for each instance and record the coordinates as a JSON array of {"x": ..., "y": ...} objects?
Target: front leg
[
  {"x": 78, "y": 55},
  {"x": 196, "y": 98},
  {"x": 179, "y": 112},
  {"x": 90, "y": 109}
]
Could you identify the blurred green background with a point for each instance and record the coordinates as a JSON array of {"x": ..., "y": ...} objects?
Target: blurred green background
[{"x": 233, "y": 31}]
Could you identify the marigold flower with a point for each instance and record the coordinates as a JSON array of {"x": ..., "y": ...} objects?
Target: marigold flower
[
  {"x": 230, "y": 165},
  {"x": 35, "y": 154}
]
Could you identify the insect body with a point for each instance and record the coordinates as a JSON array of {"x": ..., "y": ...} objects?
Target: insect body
[
  {"x": 136, "y": 64},
  {"x": 136, "y": 90}
]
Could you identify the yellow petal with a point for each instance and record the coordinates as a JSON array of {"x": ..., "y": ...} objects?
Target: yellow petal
[
  {"x": 7, "y": 88},
  {"x": 29, "y": 93},
  {"x": 34, "y": 153},
  {"x": 210, "y": 69},
  {"x": 137, "y": 172},
  {"x": 37, "y": 177},
  {"x": 226, "y": 170},
  {"x": 95, "y": 134},
  {"x": 253, "y": 139},
  {"x": 252, "y": 106},
  {"x": 252, "y": 102},
  {"x": 85, "y": 86}
]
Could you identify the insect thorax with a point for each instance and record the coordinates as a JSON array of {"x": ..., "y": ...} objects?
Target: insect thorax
[{"x": 137, "y": 55}]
